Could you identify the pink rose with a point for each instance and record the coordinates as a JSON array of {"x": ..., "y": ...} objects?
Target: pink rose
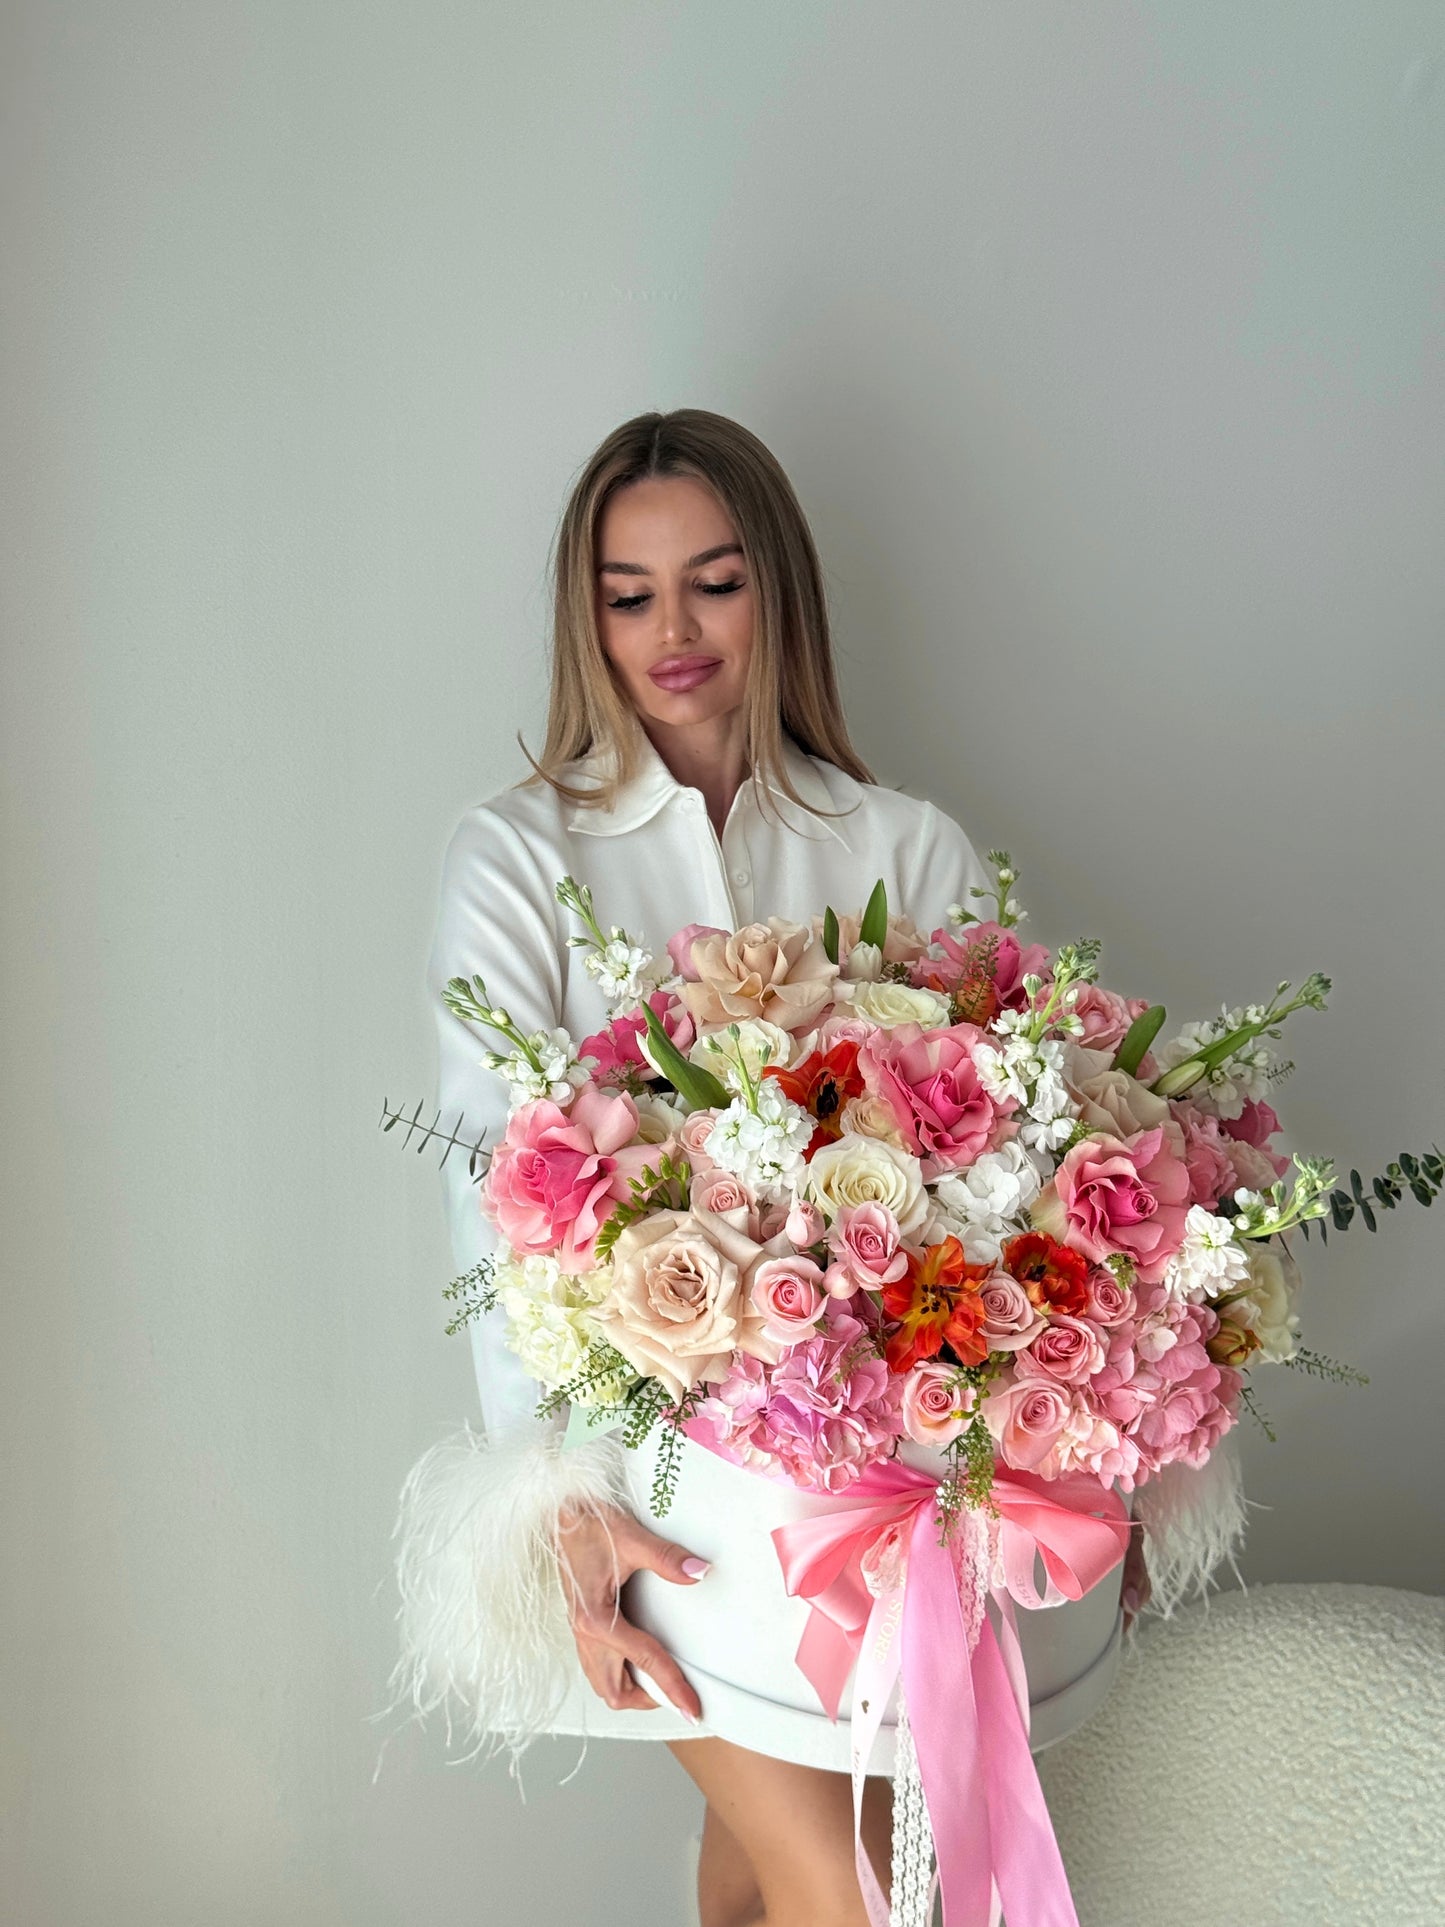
[
  {"x": 1106, "y": 1016},
  {"x": 1068, "y": 1349},
  {"x": 1113, "y": 1194},
  {"x": 804, "y": 1224},
  {"x": 929, "y": 1081},
  {"x": 679, "y": 948},
  {"x": 695, "y": 1129},
  {"x": 788, "y": 1295},
  {"x": 725, "y": 1196},
  {"x": 1110, "y": 1303},
  {"x": 1255, "y": 1126},
  {"x": 1025, "y": 1418},
  {"x": 1207, "y": 1155},
  {"x": 1010, "y": 1318},
  {"x": 936, "y": 1403},
  {"x": 554, "y": 1177},
  {"x": 867, "y": 1250}
]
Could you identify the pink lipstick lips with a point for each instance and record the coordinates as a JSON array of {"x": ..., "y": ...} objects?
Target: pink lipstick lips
[{"x": 684, "y": 672}]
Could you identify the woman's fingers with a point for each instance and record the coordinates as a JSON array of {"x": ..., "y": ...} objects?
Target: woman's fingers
[
  {"x": 606, "y": 1673},
  {"x": 662, "y": 1556},
  {"x": 611, "y": 1630}
]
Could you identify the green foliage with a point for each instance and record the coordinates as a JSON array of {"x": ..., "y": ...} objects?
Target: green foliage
[
  {"x": 1423, "y": 1177},
  {"x": 830, "y": 934},
  {"x": 1137, "y": 1039},
  {"x": 697, "y": 1087},
  {"x": 874, "y": 926},
  {"x": 1319, "y": 1366},
  {"x": 604, "y": 1363},
  {"x": 475, "y": 1292},
  {"x": 1248, "y": 1401},
  {"x": 665, "y": 1189},
  {"x": 428, "y": 1134}
]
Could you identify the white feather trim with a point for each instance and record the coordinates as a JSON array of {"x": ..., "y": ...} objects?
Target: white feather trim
[
  {"x": 1193, "y": 1519},
  {"x": 483, "y": 1617}
]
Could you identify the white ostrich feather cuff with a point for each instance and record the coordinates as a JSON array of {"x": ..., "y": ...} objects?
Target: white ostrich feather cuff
[
  {"x": 1194, "y": 1520},
  {"x": 484, "y": 1633}
]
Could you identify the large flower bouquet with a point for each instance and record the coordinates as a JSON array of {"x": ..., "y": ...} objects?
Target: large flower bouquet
[{"x": 816, "y": 1188}]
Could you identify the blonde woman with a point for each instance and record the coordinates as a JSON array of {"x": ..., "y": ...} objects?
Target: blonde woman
[{"x": 697, "y": 768}]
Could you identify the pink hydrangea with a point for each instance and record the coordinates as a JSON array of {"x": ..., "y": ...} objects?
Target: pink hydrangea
[
  {"x": 1159, "y": 1385},
  {"x": 616, "y": 1046},
  {"x": 1206, "y": 1155},
  {"x": 829, "y": 1408}
]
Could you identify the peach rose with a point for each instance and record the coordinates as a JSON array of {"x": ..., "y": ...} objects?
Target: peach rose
[
  {"x": 936, "y": 1404},
  {"x": 725, "y": 1197},
  {"x": 774, "y": 970},
  {"x": 680, "y": 1302},
  {"x": 1113, "y": 1102}
]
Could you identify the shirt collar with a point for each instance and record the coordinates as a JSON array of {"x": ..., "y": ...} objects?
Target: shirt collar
[{"x": 654, "y": 785}]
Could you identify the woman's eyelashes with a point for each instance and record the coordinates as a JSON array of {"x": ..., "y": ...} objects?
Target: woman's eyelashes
[{"x": 626, "y": 603}]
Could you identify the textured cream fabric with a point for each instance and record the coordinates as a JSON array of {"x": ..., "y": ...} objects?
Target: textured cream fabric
[{"x": 653, "y": 863}]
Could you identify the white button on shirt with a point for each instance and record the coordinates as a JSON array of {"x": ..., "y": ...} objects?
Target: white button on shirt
[{"x": 654, "y": 863}]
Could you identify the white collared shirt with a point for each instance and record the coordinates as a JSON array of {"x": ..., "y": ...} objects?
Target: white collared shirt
[{"x": 654, "y": 863}]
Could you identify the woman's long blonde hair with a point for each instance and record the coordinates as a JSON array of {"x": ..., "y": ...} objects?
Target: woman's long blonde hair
[{"x": 792, "y": 684}]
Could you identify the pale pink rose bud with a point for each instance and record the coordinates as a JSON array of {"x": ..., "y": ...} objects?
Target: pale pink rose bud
[
  {"x": 867, "y": 1246},
  {"x": 788, "y": 1293},
  {"x": 935, "y": 1410},
  {"x": 772, "y": 1222},
  {"x": 1067, "y": 1349},
  {"x": 838, "y": 1282},
  {"x": 804, "y": 1224},
  {"x": 695, "y": 1129},
  {"x": 726, "y": 1197},
  {"x": 679, "y": 948}
]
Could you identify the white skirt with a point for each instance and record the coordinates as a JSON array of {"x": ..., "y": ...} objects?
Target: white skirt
[{"x": 735, "y": 1633}]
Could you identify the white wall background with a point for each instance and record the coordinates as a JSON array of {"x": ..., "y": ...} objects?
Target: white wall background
[{"x": 1103, "y": 345}]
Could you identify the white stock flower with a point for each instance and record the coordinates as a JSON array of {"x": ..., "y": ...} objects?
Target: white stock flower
[
  {"x": 890, "y": 1004},
  {"x": 763, "y": 1148},
  {"x": 1210, "y": 1260},
  {"x": 998, "y": 1072},
  {"x": 867, "y": 1170},
  {"x": 557, "y": 1074},
  {"x": 758, "y": 1043},
  {"x": 624, "y": 971}
]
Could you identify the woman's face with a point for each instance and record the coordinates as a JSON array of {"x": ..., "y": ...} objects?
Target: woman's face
[{"x": 674, "y": 600}]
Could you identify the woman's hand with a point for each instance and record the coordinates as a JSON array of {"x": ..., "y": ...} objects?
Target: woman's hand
[
  {"x": 1135, "y": 1590},
  {"x": 597, "y": 1554}
]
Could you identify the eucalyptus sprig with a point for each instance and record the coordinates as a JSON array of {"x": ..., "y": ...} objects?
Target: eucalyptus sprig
[
  {"x": 1183, "y": 1076},
  {"x": 429, "y": 1134},
  {"x": 1422, "y": 1176}
]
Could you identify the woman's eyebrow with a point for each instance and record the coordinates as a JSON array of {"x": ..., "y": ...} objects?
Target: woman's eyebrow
[{"x": 693, "y": 561}]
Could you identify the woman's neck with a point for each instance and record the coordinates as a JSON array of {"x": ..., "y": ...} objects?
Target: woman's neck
[{"x": 705, "y": 756}]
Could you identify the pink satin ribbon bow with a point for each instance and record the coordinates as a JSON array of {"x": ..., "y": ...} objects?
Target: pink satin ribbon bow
[{"x": 969, "y": 1712}]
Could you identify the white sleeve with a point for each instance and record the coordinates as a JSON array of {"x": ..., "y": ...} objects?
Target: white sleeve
[
  {"x": 496, "y": 919},
  {"x": 945, "y": 866}
]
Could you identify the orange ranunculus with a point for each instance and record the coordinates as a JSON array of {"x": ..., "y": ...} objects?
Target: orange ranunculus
[
  {"x": 936, "y": 1303},
  {"x": 1055, "y": 1276},
  {"x": 822, "y": 1084}
]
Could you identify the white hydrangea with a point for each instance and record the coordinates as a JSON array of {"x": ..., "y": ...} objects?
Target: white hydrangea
[
  {"x": 1211, "y": 1259},
  {"x": 549, "y": 1067},
  {"x": 984, "y": 1205},
  {"x": 1009, "y": 1065},
  {"x": 624, "y": 971},
  {"x": 550, "y": 1325},
  {"x": 763, "y": 1147}
]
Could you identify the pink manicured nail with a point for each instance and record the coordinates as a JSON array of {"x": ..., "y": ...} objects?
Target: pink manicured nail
[
  {"x": 695, "y": 1567},
  {"x": 1130, "y": 1600}
]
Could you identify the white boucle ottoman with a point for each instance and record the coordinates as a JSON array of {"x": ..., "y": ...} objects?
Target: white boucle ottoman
[{"x": 1267, "y": 1758}]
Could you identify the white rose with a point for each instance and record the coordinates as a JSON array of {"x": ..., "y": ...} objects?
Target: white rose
[
  {"x": 758, "y": 1042},
  {"x": 888, "y": 1004},
  {"x": 866, "y": 1170},
  {"x": 657, "y": 1119},
  {"x": 1267, "y": 1305}
]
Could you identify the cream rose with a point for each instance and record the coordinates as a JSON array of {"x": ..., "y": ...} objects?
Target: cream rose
[
  {"x": 758, "y": 1043},
  {"x": 866, "y": 1170},
  {"x": 680, "y": 1298},
  {"x": 889, "y": 1004},
  {"x": 870, "y": 1116},
  {"x": 658, "y": 1121},
  {"x": 1113, "y": 1102},
  {"x": 773, "y": 970},
  {"x": 1267, "y": 1304}
]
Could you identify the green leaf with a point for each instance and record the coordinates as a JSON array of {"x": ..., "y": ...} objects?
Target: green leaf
[
  {"x": 696, "y": 1086},
  {"x": 1137, "y": 1039},
  {"x": 830, "y": 934},
  {"x": 1342, "y": 1209},
  {"x": 874, "y": 927},
  {"x": 1357, "y": 1186}
]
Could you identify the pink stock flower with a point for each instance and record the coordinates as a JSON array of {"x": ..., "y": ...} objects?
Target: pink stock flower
[
  {"x": 1206, "y": 1154},
  {"x": 1113, "y": 1194},
  {"x": 788, "y": 1295},
  {"x": 555, "y": 1176},
  {"x": 867, "y": 1250},
  {"x": 1067, "y": 1349},
  {"x": 929, "y": 1080},
  {"x": 616, "y": 1046},
  {"x": 1011, "y": 1320},
  {"x": 936, "y": 1403}
]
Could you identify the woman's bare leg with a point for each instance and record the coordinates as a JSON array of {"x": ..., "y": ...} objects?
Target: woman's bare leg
[
  {"x": 794, "y": 1827},
  {"x": 728, "y": 1894}
]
